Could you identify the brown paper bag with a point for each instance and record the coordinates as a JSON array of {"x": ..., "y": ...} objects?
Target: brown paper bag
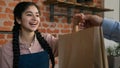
[{"x": 83, "y": 49}]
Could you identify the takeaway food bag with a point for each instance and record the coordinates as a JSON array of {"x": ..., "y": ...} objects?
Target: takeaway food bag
[{"x": 83, "y": 49}]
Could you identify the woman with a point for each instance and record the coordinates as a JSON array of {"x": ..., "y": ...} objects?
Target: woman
[{"x": 28, "y": 48}]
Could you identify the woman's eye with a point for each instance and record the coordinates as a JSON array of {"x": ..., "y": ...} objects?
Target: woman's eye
[
  {"x": 29, "y": 14},
  {"x": 37, "y": 15}
]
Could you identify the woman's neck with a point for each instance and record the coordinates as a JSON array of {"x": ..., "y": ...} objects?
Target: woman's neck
[{"x": 27, "y": 36}]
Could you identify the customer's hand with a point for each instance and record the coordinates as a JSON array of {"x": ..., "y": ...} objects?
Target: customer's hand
[{"x": 83, "y": 21}]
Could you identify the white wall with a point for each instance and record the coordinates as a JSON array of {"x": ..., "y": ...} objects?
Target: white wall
[{"x": 112, "y": 4}]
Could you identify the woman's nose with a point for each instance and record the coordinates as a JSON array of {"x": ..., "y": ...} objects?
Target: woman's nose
[{"x": 34, "y": 18}]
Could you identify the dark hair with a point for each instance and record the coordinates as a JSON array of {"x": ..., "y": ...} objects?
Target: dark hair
[{"x": 19, "y": 9}]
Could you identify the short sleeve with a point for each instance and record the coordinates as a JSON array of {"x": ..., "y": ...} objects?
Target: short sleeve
[{"x": 53, "y": 42}]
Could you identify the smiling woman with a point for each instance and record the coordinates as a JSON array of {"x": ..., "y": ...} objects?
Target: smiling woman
[
  {"x": 30, "y": 19},
  {"x": 28, "y": 48}
]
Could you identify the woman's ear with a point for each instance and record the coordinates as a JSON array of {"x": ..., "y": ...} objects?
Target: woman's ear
[{"x": 18, "y": 21}]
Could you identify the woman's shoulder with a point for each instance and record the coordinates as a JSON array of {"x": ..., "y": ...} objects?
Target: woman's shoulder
[
  {"x": 7, "y": 52},
  {"x": 7, "y": 46}
]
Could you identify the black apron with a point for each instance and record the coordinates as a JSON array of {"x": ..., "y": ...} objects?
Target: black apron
[{"x": 34, "y": 60}]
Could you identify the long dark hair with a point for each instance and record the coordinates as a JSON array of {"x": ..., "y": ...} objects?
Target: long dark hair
[{"x": 19, "y": 9}]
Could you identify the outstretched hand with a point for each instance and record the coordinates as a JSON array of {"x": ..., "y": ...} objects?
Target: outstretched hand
[{"x": 82, "y": 21}]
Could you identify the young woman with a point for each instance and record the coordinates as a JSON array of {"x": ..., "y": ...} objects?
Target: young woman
[{"x": 28, "y": 48}]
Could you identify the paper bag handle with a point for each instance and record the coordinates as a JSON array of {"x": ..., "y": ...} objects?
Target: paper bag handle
[{"x": 75, "y": 28}]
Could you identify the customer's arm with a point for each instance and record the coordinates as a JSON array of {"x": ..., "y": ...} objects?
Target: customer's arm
[{"x": 111, "y": 29}]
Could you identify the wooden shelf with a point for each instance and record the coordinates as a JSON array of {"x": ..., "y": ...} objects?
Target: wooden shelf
[
  {"x": 78, "y": 6},
  {"x": 5, "y": 32},
  {"x": 92, "y": 8},
  {"x": 62, "y": 3},
  {"x": 72, "y": 5}
]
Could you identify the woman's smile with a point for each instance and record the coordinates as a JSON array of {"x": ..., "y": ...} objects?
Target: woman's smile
[{"x": 33, "y": 24}]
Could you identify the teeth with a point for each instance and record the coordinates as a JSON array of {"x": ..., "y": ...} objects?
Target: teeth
[{"x": 32, "y": 24}]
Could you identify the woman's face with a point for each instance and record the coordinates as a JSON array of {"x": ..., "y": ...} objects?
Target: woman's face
[{"x": 30, "y": 19}]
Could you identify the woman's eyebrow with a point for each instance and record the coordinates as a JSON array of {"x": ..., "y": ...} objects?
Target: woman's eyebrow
[
  {"x": 31, "y": 12},
  {"x": 28, "y": 12}
]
